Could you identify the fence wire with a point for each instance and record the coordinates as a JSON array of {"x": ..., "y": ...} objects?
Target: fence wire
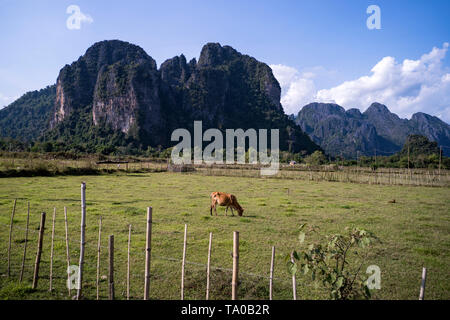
[
  {"x": 154, "y": 256},
  {"x": 60, "y": 259}
]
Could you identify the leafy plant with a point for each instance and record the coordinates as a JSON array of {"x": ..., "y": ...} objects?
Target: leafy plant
[
  {"x": 316, "y": 158},
  {"x": 329, "y": 264}
]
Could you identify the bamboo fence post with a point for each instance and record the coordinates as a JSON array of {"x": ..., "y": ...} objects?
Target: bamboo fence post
[
  {"x": 39, "y": 252},
  {"x": 82, "y": 239},
  {"x": 422, "y": 285},
  {"x": 208, "y": 268},
  {"x": 128, "y": 265},
  {"x": 10, "y": 237},
  {"x": 111, "y": 267},
  {"x": 25, "y": 245},
  {"x": 98, "y": 254},
  {"x": 51, "y": 250},
  {"x": 184, "y": 262},
  {"x": 148, "y": 248},
  {"x": 271, "y": 273},
  {"x": 294, "y": 281},
  {"x": 66, "y": 227},
  {"x": 235, "y": 279}
]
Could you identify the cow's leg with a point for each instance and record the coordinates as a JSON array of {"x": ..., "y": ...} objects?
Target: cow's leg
[
  {"x": 213, "y": 205},
  {"x": 232, "y": 211},
  {"x": 226, "y": 210}
]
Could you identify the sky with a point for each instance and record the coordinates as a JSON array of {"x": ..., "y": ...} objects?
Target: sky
[{"x": 321, "y": 50}]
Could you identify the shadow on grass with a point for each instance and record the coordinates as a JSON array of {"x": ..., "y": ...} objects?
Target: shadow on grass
[{"x": 249, "y": 288}]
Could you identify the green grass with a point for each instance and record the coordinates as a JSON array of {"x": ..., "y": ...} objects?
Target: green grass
[{"x": 414, "y": 232}]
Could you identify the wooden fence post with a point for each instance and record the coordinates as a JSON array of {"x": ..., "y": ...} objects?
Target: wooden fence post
[
  {"x": 294, "y": 281},
  {"x": 184, "y": 262},
  {"x": 51, "y": 249},
  {"x": 111, "y": 267},
  {"x": 10, "y": 237},
  {"x": 66, "y": 227},
  {"x": 128, "y": 265},
  {"x": 271, "y": 273},
  {"x": 82, "y": 239},
  {"x": 235, "y": 279},
  {"x": 148, "y": 251},
  {"x": 422, "y": 286},
  {"x": 25, "y": 245},
  {"x": 208, "y": 268},
  {"x": 39, "y": 252},
  {"x": 98, "y": 254}
]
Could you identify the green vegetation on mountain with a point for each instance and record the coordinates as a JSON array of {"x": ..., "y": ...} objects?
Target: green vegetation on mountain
[
  {"x": 377, "y": 131},
  {"x": 28, "y": 117},
  {"x": 114, "y": 100}
]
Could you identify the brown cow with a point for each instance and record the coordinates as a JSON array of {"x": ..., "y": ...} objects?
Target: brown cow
[{"x": 225, "y": 199}]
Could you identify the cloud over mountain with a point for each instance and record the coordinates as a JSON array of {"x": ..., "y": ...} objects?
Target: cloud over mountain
[
  {"x": 406, "y": 87},
  {"x": 297, "y": 88}
]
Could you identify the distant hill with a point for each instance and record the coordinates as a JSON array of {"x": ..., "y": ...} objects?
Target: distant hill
[
  {"x": 29, "y": 116},
  {"x": 377, "y": 130},
  {"x": 113, "y": 98}
]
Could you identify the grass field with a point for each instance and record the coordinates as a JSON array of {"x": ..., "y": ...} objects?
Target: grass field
[{"x": 414, "y": 232}]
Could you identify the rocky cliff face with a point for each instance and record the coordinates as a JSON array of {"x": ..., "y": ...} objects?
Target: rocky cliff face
[
  {"x": 433, "y": 128},
  {"x": 227, "y": 89},
  {"x": 114, "y": 96},
  {"x": 376, "y": 130},
  {"x": 126, "y": 97},
  {"x": 117, "y": 86},
  {"x": 340, "y": 132},
  {"x": 388, "y": 124},
  {"x": 114, "y": 79}
]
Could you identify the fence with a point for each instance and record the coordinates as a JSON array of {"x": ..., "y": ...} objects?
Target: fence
[
  {"x": 57, "y": 248},
  {"x": 333, "y": 172},
  {"x": 198, "y": 280}
]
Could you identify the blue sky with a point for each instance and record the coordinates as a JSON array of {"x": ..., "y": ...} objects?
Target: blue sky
[{"x": 319, "y": 50}]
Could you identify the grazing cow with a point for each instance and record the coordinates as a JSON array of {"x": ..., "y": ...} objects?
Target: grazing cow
[{"x": 225, "y": 199}]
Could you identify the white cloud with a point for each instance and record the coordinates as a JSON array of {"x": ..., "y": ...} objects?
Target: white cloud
[
  {"x": 406, "y": 87},
  {"x": 297, "y": 89}
]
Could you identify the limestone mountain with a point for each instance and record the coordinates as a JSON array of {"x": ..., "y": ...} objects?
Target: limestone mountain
[
  {"x": 377, "y": 130},
  {"x": 114, "y": 96},
  {"x": 227, "y": 89}
]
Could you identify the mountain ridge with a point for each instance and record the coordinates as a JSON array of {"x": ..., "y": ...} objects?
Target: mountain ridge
[
  {"x": 375, "y": 131},
  {"x": 114, "y": 97}
]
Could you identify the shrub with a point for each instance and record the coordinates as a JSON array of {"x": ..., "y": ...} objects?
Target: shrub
[
  {"x": 316, "y": 158},
  {"x": 329, "y": 264}
]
